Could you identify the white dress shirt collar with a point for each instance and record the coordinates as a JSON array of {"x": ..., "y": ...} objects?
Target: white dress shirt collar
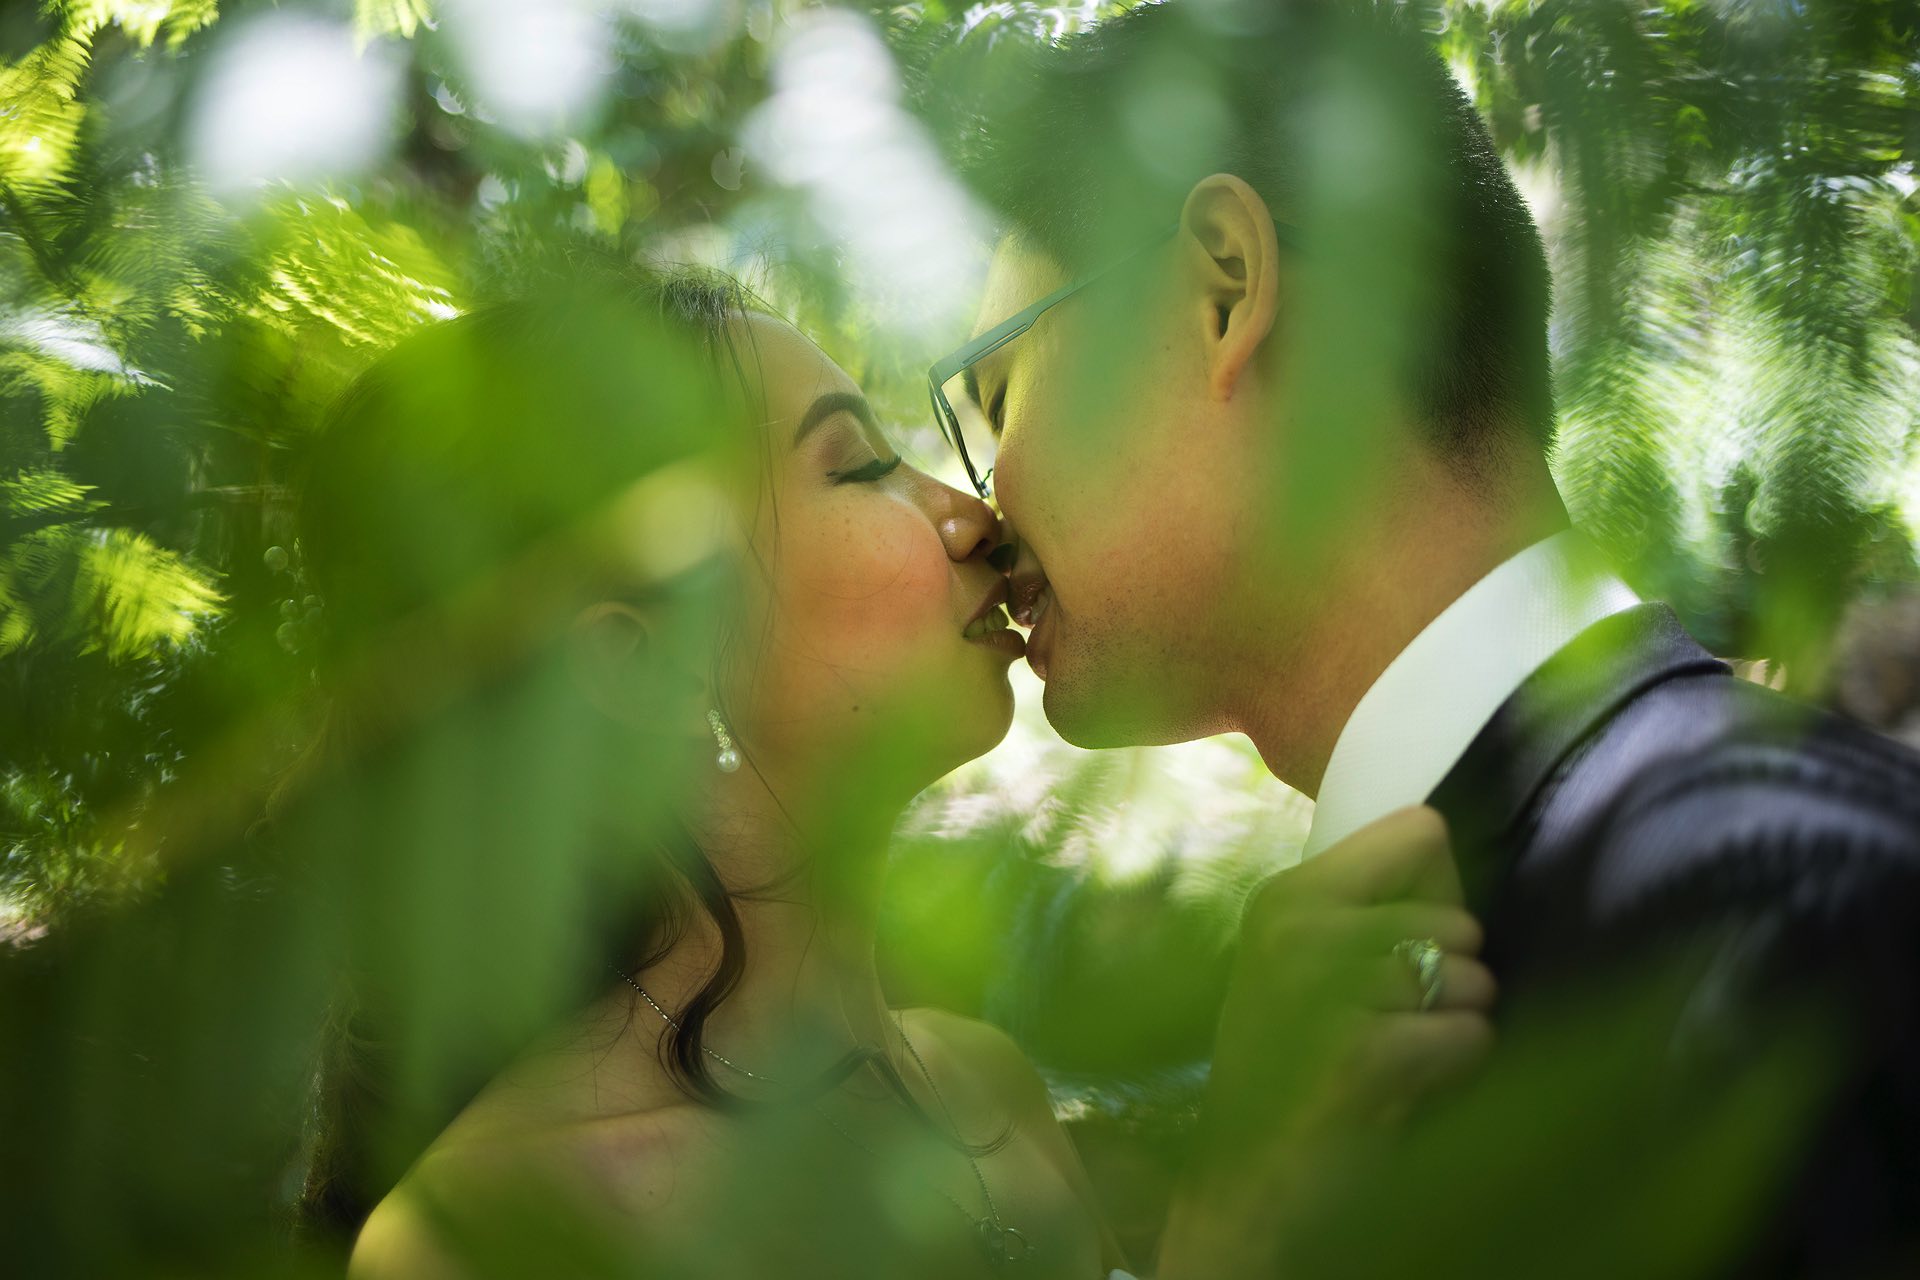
[{"x": 1423, "y": 711}]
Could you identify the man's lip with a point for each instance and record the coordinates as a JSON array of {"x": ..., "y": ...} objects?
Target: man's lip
[
  {"x": 1040, "y": 638},
  {"x": 1038, "y": 605},
  {"x": 1026, "y": 580},
  {"x": 995, "y": 597},
  {"x": 1020, "y": 606}
]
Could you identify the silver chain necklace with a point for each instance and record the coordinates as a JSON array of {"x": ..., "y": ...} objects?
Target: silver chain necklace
[
  {"x": 726, "y": 1062},
  {"x": 1000, "y": 1243}
]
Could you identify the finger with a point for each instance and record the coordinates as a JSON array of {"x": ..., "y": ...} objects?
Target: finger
[
  {"x": 1405, "y": 854},
  {"x": 1306, "y": 941},
  {"x": 1464, "y": 984},
  {"x": 1379, "y": 928},
  {"x": 1407, "y": 1055}
]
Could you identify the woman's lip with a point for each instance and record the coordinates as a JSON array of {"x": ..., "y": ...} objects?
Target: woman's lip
[
  {"x": 1009, "y": 643},
  {"x": 995, "y": 597},
  {"x": 994, "y": 619}
]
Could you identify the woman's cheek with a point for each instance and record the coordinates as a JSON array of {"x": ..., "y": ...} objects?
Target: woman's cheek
[{"x": 872, "y": 594}]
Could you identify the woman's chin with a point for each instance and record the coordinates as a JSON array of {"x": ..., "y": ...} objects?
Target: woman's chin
[
  {"x": 956, "y": 712},
  {"x": 980, "y": 723},
  {"x": 995, "y": 716}
]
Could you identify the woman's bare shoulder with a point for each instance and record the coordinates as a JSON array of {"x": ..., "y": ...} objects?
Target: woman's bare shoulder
[
  {"x": 606, "y": 1174},
  {"x": 992, "y": 1057},
  {"x": 984, "y": 1052}
]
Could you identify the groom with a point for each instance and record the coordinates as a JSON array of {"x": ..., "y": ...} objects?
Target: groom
[{"x": 1261, "y": 381}]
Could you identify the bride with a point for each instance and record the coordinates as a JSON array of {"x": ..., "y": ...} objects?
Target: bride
[{"x": 734, "y": 1096}]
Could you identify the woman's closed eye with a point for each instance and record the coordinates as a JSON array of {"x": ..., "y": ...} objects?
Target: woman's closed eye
[{"x": 867, "y": 472}]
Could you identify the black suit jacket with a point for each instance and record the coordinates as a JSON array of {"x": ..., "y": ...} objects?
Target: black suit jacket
[{"x": 1635, "y": 799}]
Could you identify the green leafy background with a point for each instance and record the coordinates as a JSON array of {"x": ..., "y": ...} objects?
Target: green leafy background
[{"x": 1731, "y": 214}]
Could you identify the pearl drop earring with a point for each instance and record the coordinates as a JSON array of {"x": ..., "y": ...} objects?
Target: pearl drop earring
[{"x": 729, "y": 757}]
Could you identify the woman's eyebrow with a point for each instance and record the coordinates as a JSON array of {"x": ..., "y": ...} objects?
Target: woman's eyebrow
[{"x": 831, "y": 403}]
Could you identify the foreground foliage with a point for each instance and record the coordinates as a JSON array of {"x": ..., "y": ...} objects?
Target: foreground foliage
[{"x": 1727, "y": 194}]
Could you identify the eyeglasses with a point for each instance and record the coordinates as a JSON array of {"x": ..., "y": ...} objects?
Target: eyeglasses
[{"x": 971, "y": 435}]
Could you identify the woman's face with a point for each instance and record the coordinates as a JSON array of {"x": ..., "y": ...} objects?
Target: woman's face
[{"x": 875, "y": 633}]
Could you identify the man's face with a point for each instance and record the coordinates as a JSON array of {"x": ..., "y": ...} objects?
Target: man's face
[{"x": 1123, "y": 478}]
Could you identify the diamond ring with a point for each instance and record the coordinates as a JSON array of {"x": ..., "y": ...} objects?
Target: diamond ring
[{"x": 1423, "y": 957}]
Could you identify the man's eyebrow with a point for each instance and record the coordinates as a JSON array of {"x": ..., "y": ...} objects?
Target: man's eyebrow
[
  {"x": 971, "y": 381},
  {"x": 831, "y": 403}
]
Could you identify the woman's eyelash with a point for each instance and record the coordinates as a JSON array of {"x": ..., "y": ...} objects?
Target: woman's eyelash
[{"x": 878, "y": 469}]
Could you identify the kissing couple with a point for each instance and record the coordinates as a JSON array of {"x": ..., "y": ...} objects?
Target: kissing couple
[{"x": 1524, "y": 774}]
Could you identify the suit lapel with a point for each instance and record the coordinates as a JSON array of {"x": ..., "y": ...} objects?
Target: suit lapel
[{"x": 1490, "y": 787}]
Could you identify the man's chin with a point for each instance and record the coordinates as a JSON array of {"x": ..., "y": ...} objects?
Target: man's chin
[{"x": 1096, "y": 718}]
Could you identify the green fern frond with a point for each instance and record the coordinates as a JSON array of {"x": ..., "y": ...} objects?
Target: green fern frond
[
  {"x": 42, "y": 490},
  {"x": 136, "y": 597},
  {"x": 375, "y": 18},
  {"x": 144, "y": 21},
  {"x": 40, "y": 114},
  {"x": 332, "y": 267}
]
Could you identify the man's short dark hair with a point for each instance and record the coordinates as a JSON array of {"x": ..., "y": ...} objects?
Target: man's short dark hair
[{"x": 1063, "y": 157}]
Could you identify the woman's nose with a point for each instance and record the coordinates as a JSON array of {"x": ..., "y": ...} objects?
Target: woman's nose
[{"x": 968, "y": 526}]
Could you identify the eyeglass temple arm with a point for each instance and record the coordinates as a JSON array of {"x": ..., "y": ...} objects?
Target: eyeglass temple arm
[{"x": 1012, "y": 327}]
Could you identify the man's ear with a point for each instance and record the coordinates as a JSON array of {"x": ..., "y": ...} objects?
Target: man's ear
[
  {"x": 618, "y": 664},
  {"x": 1227, "y": 237}
]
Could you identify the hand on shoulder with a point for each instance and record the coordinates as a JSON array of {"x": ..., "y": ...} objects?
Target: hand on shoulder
[{"x": 1330, "y": 1030}]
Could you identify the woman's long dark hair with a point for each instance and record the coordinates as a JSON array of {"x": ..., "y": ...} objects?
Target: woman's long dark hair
[
  {"x": 525, "y": 357},
  {"x": 378, "y": 460}
]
